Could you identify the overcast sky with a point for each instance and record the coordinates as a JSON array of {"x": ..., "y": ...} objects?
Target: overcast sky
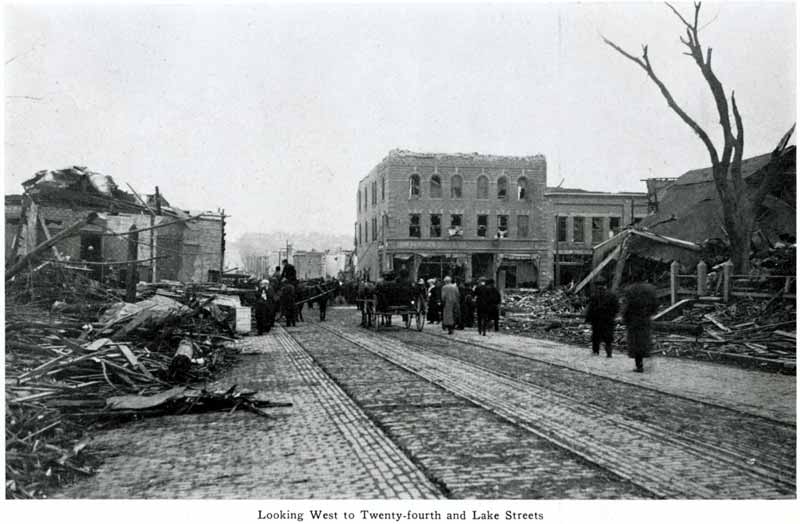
[{"x": 275, "y": 112}]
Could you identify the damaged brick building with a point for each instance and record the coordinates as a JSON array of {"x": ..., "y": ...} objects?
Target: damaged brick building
[{"x": 185, "y": 246}]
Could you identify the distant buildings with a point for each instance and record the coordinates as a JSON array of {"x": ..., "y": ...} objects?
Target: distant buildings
[{"x": 473, "y": 215}]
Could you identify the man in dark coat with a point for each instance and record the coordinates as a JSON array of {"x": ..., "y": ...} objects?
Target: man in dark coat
[
  {"x": 641, "y": 304},
  {"x": 601, "y": 314},
  {"x": 322, "y": 301},
  {"x": 468, "y": 309},
  {"x": 483, "y": 305},
  {"x": 288, "y": 272},
  {"x": 496, "y": 299},
  {"x": 287, "y": 303}
]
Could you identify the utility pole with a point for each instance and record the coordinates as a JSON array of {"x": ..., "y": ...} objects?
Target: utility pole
[
  {"x": 222, "y": 244},
  {"x": 558, "y": 267}
]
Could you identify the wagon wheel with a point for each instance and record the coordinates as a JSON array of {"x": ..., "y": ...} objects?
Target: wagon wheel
[
  {"x": 420, "y": 316},
  {"x": 407, "y": 319}
]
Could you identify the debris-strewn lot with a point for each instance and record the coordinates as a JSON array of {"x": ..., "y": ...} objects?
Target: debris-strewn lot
[
  {"x": 78, "y": 359},
  {"x": 751, "y": 331}
]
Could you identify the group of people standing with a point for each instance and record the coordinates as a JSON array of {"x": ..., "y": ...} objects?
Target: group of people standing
[
  {"x": 641, "y": 304},
  {"x": 455, "y": 304},
  {"x": 277, "y": 297}
]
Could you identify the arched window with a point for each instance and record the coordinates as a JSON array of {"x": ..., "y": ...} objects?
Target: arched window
[
  {"x": 502, "y": 188},
  {"x": 436, "y": 186},
  {"x": 522, "y": 188},
  {"x": 383, "y": 189},
  {"x": 413, "y": 186},
  {"x": 365, "y": 198},
  {"x": 483, "y": 187},
  {"x": 358, "y": 195},
  {"x": 455, "y": 186}
]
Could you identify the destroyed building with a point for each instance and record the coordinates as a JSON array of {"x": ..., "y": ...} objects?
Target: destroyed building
[
  {"x": 174, "y": 244},
  {"x": 466, "y": 215}
]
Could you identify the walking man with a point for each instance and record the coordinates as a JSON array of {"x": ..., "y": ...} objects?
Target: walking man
[
  {"x": 495, "y": 299},
  {"x": 450, "y": 301},
  {"x": 287, "y": 303},
  {"x": 640, "y": 304},
  {"x": 601, "y": 314}
]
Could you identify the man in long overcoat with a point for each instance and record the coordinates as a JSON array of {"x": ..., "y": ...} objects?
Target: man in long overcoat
[
  {"x": 434, "y": 298},
  {"x": 641, "y": 304},
  {"x": 450, "y": 305},
  {"x": 262, "y": 323},
  {"x": 601, "y": 313},
  {"x": 496, "y": 299},
  {"x": 483, "y": 305}
]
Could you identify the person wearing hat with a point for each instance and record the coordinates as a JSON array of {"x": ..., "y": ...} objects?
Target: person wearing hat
[
  {"x": 601, "y": 313},
  {"x": 483, "y": 305},
  {"x": 450, "y": 305},
  {"x": 262, "y": 324}
]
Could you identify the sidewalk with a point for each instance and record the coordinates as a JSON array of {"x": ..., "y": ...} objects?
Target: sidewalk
[
  {"x": 765, "y": 394},
  {"x": 323, "y": 446}
]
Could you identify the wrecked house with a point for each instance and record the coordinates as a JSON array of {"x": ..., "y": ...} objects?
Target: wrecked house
[
  {"x": 172, "y": 244},
  {"x": 687, "y": 225}
]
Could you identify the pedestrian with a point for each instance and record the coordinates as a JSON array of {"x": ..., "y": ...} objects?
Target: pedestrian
[
  {"x": 640, "y": 305},
  {"x": 601, "y": 313},
  {"x": 276, "y": 275},
  {"x": 262, "y": 307},
  {"x": 288, "y": 306},
  {"x": 496, "y": 299},
  {"x": 433, "y": 301},
  {"x": 450, "y": 301},
  {"x": 322, "y": 302},
  {"x": 483, "y": 305},
  {"x": 468, "y": 310}
]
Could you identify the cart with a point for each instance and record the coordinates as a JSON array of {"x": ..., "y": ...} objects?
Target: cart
[{"x": 393, "y": 298}]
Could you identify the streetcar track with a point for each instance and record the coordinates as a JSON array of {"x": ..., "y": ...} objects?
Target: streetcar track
[
  {"x": 655, "y": 481},
  {"x": 735, "y": 456}
]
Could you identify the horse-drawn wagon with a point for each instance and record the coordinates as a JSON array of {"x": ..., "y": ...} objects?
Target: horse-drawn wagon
[{"x": 380, "y": 302}]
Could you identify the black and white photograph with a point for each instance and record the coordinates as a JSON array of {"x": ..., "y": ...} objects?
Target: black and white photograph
[{"x": 400, "y": 253}]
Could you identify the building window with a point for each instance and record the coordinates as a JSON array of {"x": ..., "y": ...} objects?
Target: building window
[
  {"x": 413, "y": 226},
  {"x": 358, "y": 197},
  {"x": 383, "y": 188},
  {"x": 366, "y": 232},
  {"x": 502, "y": 226},
  {"x": 413, "y": 186},
  {"x": 613, "y": 226},
  {"x": 483, "y": 187},
  {"x": 483, "y": 225},
  {"x": 597, "y": 230},
  {"x": 436, "y": 186},
  {"x": 522, "y": 188},
  {"x": 578, "y": 225},
  {"x": 522, "y": 226},
  {"x": 456, "y": 226},
  {"x": 359, "y": 228},
  {"x": 365, "y": 199},
  {"x": 502, "y": 188},
  {"x": 374, "y": 229},
  {"x": 374, "y": 193},
  {"x": 561, "y": 229},
  {"x": 436, "y": 226},
  {"x": 455, "y": 186}
]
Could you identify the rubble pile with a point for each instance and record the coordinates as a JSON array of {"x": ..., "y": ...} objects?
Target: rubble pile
[
  {"x": 552, "y": 314},
  {"x": 758, "y": 330},
  {"x": 69, "y": 371}
]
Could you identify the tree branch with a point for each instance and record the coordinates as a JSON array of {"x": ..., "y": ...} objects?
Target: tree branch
[
  {"x": 644, "y": 63},
  {"x": 736, "y": 164},
  {"x": 678, "y": 15}
]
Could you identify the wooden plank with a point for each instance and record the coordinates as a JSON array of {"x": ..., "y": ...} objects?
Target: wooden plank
[
  {"x": 126, "y": 351},
  {"x": 716, "y": 322},
  {"x": 48, "y": 237},
  {"x": 597, "y": 270},
  {"x": 674, "y": 308}
]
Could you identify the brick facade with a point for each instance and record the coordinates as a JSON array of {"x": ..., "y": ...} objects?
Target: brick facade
[{"x": 385, "y": 205}]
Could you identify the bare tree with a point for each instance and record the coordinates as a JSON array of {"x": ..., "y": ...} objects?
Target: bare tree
[{"x": 738, "y": 205}]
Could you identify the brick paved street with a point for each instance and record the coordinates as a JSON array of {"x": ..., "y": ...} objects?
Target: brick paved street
[{"x": 403, "y": 414}]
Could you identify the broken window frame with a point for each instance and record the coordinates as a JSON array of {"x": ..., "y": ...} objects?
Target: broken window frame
[
  {"x": 579, "y": 230},
  {"x": 435, "y": 230},
  {"x": 414, "y": 189},
  {"x": 598, "y": 230},
  {"x": 456, "y": 187},
  {"x": 483, "y": 188},
  {"x": 436, "y": 186},
  {"x": 483, "y": 226},
  {"x": 561, "y": 229},
  {"x": 502, "y": 226},
  {"x": 523, "y": 226},
  {"x": 502, "y": 188},
  {"x": 414, "y": 226},
  {"x": 614, "y": 226},
  {"x": 522, "y": 188}
]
